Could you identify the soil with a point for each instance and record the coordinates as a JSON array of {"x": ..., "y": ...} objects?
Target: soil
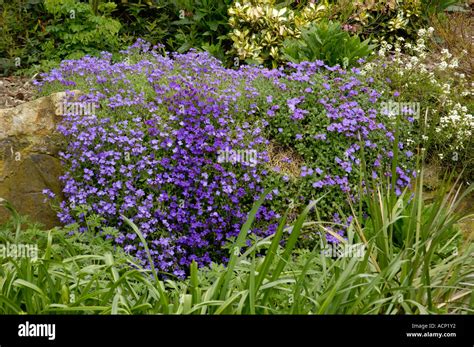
[{"x": 15, "y": 90}]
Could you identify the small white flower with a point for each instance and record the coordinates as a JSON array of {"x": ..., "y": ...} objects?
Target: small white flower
[
  {"x": 446, "y": 53},
  {"x": 446, "y": 88},
  {"x": 443, "y": 65},
  {"x": 454, "y": 64}
]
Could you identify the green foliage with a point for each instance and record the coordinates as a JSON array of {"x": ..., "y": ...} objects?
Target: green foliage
[
  {"x": 326, "y": 41},
  {"x": 149, "y": 21},
  {"x": 76, "y": 31},
  {"x": 21, "y": 32},
  {"x": 413, "y": 262},
  {"x": 42, "y": 32},
  {"x": 37, "y": 35},
  {"x": 200, "y": 24},
  {"x": 260, "y": 27}
]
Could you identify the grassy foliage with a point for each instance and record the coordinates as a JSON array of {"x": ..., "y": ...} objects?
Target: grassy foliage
[{"x": 414, "y": 262}]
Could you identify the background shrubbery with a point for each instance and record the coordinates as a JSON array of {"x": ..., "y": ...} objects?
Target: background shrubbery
[{"x": 37, "y": 34}]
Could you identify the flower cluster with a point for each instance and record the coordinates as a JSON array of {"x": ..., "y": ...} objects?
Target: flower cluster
[
  {"x": 150, "y": 153},
  {"x": 153, "y": 149},
  {"x": 335, "y": 121},
  {"x": 432, "y": 80}
]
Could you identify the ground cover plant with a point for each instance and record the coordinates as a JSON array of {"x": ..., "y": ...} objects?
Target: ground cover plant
[{"x": 153, "y": 151}]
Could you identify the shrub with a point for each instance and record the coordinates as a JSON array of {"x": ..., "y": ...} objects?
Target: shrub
[
  {"x": 22, "y": 32},
  {"x": 259, "y": 28},
  {"x": 75, "y": 29},
  {"x": 36, "y": 35},
  {"x": 386, "y": 20},
  {"x": 149, "y": 20},
  {"x": 327, "y": 42},
  {"x": 443, "y": 94},
  {"x": 201, "y": 24}
]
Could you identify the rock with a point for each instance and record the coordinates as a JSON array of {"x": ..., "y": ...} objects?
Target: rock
[{"x": 29, "y": 146}]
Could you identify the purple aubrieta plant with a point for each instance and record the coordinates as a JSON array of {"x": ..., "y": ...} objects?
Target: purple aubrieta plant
[{"x": 150, "y": 151}]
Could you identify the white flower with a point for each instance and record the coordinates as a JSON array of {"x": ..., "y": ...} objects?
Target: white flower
[
  {"x": 443, "y": 65},
  {"x": 446, "y": 88},
  {"x": 446, "y": 53},
  {"x": 454, "y": 64}
]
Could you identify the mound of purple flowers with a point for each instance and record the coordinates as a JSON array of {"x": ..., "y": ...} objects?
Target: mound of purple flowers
[
  {"x": 151, "y": 153},
  {"x": 153, "y": 149}
]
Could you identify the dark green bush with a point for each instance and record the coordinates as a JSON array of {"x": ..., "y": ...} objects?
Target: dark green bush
[{"x": 328, "y": 42}]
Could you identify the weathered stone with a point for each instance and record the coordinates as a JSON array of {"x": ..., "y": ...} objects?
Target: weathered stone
[{"x": 29, "y": 146}]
